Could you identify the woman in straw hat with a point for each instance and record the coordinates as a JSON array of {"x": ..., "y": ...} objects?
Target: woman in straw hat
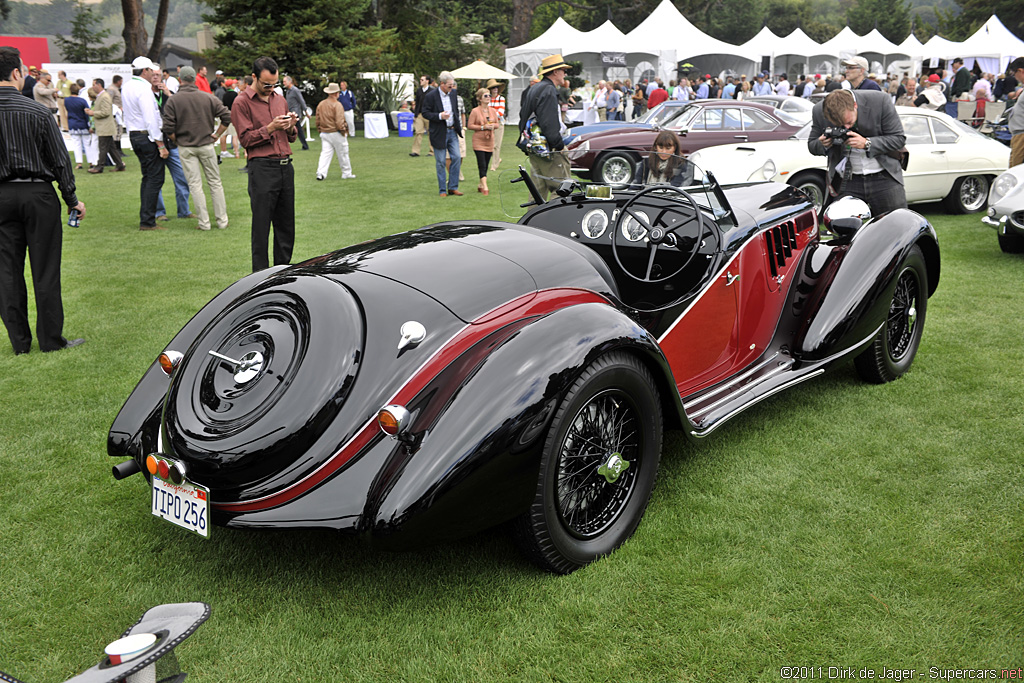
[{"x": 498, "y": 108}]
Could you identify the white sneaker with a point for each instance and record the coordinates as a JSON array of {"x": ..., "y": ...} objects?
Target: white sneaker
[
  {"x": 348, "y": 176},
  {"x": 319, "y": 177},
  {"x": 226, "y": 155}
]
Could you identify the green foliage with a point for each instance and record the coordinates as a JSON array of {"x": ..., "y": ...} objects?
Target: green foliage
[
  {"x": 5, "y": 9},
  {"x": 431, "y": 33},
  {"x": 85, "y": 44},
  {"x": 891, "y": 17},
  {"x": 387, "y": 94},
  {"x": 974, "y": 13},
  {"x": 312, "y": 41}
]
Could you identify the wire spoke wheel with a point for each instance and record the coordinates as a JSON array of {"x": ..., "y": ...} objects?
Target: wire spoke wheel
[
  {"x": 902, "y": 316},
  {"x": 894, "y": 347},
  {"x": 598, "y": 464},
  {"x": 598, "y": 467}
]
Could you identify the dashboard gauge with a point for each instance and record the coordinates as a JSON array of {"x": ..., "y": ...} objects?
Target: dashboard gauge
[
  {"x": 631, "y": 228},
  {"x": 595, "y": 223}
]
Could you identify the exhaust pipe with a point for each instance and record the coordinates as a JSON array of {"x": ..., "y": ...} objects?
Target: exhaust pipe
[{"x": 126, "y": 469}]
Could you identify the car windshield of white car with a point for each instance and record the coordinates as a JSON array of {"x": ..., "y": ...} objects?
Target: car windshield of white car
[{"x": 671, "y": 116}]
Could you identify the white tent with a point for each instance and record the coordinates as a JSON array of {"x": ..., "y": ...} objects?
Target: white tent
[
  {"x": 674, "y": 38},
  {"x": 764, "y": 44},
  {"x": 523, "y": 62},
  {"x": 992, "y": 46}
]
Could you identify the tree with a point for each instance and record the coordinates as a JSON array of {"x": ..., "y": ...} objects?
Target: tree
[
  {"x": 315, "y": 40},
  {"x": 522, "y": 17},
  {"x": 84, "y": 36},
  {"x": 891, "y": 18},
  {"x": 5, "y": 10},
  {"x": 975, "y": 13},
  {"x": 135, "y": 34}
]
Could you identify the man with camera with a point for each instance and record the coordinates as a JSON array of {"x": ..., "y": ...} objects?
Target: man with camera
[{"x": 862, "y": 136}]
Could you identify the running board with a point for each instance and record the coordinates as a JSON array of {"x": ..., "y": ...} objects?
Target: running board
[{"x": 713, "y": 407}]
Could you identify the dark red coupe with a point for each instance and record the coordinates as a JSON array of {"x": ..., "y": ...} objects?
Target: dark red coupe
[{"x": 611, "y": 156}]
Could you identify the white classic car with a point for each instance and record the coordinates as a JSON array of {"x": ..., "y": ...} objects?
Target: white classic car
[
  {"x": 948, "y": 161},
  {"x": 1006, "y": 210}
]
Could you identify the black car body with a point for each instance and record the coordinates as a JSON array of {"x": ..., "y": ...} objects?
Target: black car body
[{"x": 523, "y": 371}]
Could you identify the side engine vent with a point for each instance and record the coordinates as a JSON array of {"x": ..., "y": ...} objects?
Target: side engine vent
[{"x": 780, "y": 242}]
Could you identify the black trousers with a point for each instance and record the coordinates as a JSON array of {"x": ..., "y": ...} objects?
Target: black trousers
[
  {"x": 152, "y": 176},
  {"x": 272, "y": 199},
  {"x": 31, "y": 219},
  {"x": 880, "y": 190},
  {"x": 482, "y": 161},
  {"x": 112, "y": 149}
]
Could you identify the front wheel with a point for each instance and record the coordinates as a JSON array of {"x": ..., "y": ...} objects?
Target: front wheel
[
  {"x": 895, "y": 346},
  {"x": 969, "y": 194},
  {"x": 598, "y": 467},
  {"x": 615, "y": 169},
  {"x": 1011, "y": 243}
]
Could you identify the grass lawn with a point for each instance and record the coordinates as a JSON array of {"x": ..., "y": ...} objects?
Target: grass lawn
[{"x": 838, "y": 524}]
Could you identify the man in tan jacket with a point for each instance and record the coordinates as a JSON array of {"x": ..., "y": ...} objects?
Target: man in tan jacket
[
  {"x": 102, "y": 113},
  {"x": 330, "y": 121}
]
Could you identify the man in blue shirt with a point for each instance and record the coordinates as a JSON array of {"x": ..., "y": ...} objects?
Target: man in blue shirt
[
  {"x": 702, "y": 88},
  {"x": 857, "y": 75},
  {"x": 729, "y": 91},
  {"x": 348, "y": 100}
]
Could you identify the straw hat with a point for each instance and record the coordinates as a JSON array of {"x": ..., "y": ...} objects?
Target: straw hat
[
  {"x": 495, "y": 84},
  {"x": 332, "y": 88},
  {"x": 552, "y": 63}
]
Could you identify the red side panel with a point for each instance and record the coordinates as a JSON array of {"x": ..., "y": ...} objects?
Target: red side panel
[
  {"x": 700, "y": 347},
  {"x": 34, "y": 51}
]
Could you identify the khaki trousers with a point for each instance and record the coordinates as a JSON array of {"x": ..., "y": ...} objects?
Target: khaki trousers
[
  {"x": 62, "y": 111},
  {"x": 197, "y": 162},
  {"x": 1017, "y": 149},
  {"x": 549, "y": 173},
  {"x": 419, "y": 127}
]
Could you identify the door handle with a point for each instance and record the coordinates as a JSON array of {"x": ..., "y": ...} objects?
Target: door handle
[
  {"x": 938, "y": 151},
  {"x": 730, "y": 278},
  {"x": 742, "y": 137}
]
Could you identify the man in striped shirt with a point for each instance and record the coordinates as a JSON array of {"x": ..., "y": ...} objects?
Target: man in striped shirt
[{"x": 32, "y": 157}]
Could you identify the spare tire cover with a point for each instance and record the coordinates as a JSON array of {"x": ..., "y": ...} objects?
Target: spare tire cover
[{"x": 235, "y": 430}]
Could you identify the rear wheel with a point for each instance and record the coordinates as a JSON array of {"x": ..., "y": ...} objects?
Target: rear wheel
[
  {"x": 599, "y": 464},
  {"x": 616, "y": 168},
  {"x": 893, "y": 350},
  {"x": 969, "y": 194},
  {"x": 813, "y": 185}
]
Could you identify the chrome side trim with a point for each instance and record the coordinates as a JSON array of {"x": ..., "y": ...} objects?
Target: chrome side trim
[
  {"x": 725, "y": 399},
  {"x": 734, "y": 380},
  {"x": 781, "y": 387}
]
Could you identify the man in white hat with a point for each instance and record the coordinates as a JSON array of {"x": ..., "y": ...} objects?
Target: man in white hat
[
  {"x": 333, "y": 126},
  {"x": 857, "y": 75},
  {"x": 541, "y": 104},
  {"x": 142, "y": 119}
]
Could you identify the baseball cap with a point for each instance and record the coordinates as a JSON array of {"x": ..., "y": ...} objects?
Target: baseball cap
[
  {"x": 143, "y": 63},
  {"x": 219, "y": 73},
  {"x": 856, "y": 61},
  {"x": 934, "y": 78}
]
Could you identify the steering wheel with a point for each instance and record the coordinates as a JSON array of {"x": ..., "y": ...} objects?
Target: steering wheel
[{"x": 658, "y": 235}]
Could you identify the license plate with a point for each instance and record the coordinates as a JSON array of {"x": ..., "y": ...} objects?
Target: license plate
[{"x": 186, "y": 505}]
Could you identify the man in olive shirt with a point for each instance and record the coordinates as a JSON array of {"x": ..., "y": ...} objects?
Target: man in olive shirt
[
  {"x": 32, "y": 157},
  {"x": 266, "y": 128},
  {"x": 188, "y": 118}
]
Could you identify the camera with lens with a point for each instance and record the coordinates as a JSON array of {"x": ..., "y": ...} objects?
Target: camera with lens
[{"x": 838, "y": 133}]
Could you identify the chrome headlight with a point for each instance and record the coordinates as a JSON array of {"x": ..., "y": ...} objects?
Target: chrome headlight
[{"x": 1001, "y": 187}]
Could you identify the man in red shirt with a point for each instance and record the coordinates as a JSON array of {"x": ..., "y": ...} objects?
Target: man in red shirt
[
  {"x": 201, "y": 81},
  {"x": 657, "y": 96},
  {"x": 266, "y": 128}
]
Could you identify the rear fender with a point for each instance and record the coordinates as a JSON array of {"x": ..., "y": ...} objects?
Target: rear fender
[
  {"x": 134, "y": 431},
  {"x": 473, "y": 456},
  {"x": 846, "y": 285}
]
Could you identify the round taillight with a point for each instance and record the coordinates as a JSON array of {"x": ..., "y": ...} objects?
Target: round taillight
[
  {"x": 164, "y": 470},
  {"x": 151, "y": 464},
  {"x": 393, "y": 419},
  {"x": 169, "y": 361},
  {"x": 177, "y": 473}
]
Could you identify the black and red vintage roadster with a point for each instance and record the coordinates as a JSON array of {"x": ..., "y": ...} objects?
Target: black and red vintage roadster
[{"x": 437, "y": 382}]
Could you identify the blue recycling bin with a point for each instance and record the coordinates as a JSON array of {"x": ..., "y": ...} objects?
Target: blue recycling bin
[{"x": 405, "y": 122}]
